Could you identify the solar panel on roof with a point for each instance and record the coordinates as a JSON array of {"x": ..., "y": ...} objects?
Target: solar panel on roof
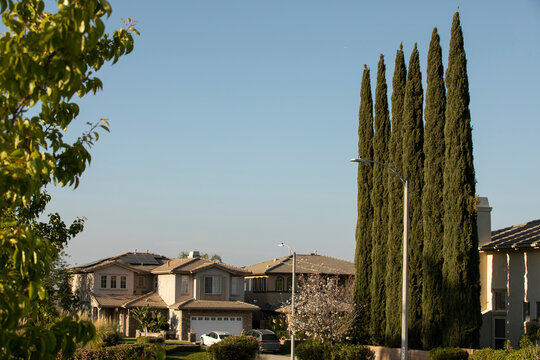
[{"x": 140, "y": 259}]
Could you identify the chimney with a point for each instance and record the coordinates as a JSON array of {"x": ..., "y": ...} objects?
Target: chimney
[
  {"x": 483, "y": 221},
  {"x": 194, "y": 254}
]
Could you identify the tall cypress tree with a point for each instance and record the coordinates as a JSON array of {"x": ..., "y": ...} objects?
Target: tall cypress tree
[
  {"x": 461, "y": 286},
  {"x": 365, "y": 211},
  {"x": 432, "y": 197},
  {"x": 395, "y": 207},
  {"x": 413, "y": 169},
  {"x": 379, "y": 200}
]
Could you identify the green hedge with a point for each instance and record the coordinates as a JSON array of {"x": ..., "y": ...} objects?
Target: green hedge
[
  {"x": 119, "y": 352},
  {"x": 150, "y": 340},
  {"x": 234, "y": 348},
  {"x": 316, "y": 349},
  {"x": 448, "y": 354}
]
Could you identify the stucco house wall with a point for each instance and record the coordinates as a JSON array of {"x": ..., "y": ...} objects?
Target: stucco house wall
[{"x": 110, "y": 271}]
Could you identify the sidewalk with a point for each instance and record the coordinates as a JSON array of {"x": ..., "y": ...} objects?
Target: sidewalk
[{"x": 274, "y": 357}]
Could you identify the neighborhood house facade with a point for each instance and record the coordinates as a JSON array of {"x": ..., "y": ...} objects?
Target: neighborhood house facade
[
  {"x": 510, "y": 278},
  {"x": 269, "y": 283},
  {"x": 196, "y": 295}
]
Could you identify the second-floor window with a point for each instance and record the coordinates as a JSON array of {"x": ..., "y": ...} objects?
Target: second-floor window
[
  {"x": 279, "y": 284},
  {"x": 259, "y": 285},
  {"x": 122, "y": 282},
  {"x": 499, "y": 297},
  {"x": 113, "y": 281},
  {"x": 140, "y": 281},
  {"x": 103, "y": 284},
  {"x": 212, "y": 285},
  {"x": 185, "y": 284}
]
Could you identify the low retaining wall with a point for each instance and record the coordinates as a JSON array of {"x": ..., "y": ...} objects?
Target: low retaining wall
[{"x": 384, "y": 353}]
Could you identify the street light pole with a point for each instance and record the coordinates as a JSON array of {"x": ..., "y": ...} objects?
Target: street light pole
[
  {"x": 293, "y": 286},
  {"x": 405, "y": 288}
]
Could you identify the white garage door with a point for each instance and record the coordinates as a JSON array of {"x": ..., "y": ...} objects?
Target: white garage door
[{"x": 205, "y": 324}]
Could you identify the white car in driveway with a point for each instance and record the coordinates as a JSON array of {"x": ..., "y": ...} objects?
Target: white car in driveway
[{"x": 213, "y": 337}]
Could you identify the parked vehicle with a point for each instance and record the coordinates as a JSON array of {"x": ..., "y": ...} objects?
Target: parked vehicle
[
  {"x": 268, "y": 340},
  {"x": 213, "y": 337}
]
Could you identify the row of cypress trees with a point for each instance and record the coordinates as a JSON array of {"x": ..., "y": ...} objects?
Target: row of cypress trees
[{"x": 434, "y": 151}]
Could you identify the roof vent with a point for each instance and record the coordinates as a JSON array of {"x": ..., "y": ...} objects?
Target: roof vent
[{"x": 194, "y": 254}]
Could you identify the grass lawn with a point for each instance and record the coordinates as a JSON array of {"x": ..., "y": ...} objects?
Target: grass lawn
[{"x": 199, "y": 354}]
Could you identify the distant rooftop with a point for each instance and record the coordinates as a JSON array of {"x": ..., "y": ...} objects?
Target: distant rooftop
[
  {"x": 522, "y": 236},
  {"x": 144, "y": 261},
  {"x": 305, "y": 264}
]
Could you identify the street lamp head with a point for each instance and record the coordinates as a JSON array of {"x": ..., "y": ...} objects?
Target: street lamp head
[
  {"x": 358, "y": 160},
  {"x": 282, "y": 244}
]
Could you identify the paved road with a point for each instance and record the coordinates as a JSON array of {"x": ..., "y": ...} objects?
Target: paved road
[{"x": 274, "y": 357}]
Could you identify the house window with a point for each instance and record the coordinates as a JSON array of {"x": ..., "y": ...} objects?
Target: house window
[
  {"x": 212, "y": 285},
  {"x": 141, "y": 281},
  {"x": 279, "y": 284},
  {"x": 289, "y": 283},
  {"x": 113, "y": 281},
  {"x": 185, "y": 284},
  {"x": 526, "y": 311},
  {"x": 259, "y": 285},
  {"x": 122, "y": 282},
  {"x": 155, "y": 282},
  {"x": 247, "y": 285},
  {"x": 103, "y": 281},
  {"x": 235, "y": 285},
  {"x": 499, "y": 299},
  {"x": 499, "y": 337}
]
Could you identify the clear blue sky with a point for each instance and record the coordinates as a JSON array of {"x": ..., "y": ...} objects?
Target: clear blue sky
[{"x": 232, "y": 122}]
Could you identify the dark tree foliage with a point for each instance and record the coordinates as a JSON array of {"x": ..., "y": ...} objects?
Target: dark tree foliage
[
  {"x": 365, "y": 210},
  {"x": 395, "y": 207},
  {"x": 379, "y": 200},
  {"x": 56, "y": 279},
  {"x": 413, "y": 169},
  {"x": 432, "y": 198},
  {"x": 461, "y": 286}
]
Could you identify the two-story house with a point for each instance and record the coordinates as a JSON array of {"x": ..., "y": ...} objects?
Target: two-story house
[
  {"x": 197, "y": 295},
  {"x": 270, "y": 282},
  {"x": 509, "y": 277},
  {"x": 203, "y": 295}
]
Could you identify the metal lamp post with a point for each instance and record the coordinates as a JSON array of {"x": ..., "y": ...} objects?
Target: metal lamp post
[
  {"x": 405, "y": 288},
  {"x": 293, "y": 332}
]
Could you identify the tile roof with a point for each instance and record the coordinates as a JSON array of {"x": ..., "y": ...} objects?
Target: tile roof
[
  {"x": 193, "y": 304},
  {"x": 193, "y": 265},
  {"x": 139, "y": 262},
  {"x": 129, "y": 301},
  {"x": 522, "y": 236},
  {"x": 305, "y": 264}
]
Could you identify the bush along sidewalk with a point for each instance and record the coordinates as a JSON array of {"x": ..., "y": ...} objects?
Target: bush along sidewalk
[
  {"x": 234, "y": 348},
  {"x": 316, "y": 349},
  {"x": 448, "y": 354}
]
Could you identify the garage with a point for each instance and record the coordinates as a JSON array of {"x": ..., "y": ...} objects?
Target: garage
[{"x": 201, "y": 324}]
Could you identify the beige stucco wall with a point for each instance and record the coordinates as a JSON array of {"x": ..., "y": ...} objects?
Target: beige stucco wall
[
  {"x": 167, "y": 288},
  {"x": 518, "y": 273},
  {"x": 82, "y": 285},
  {"x": 113, "y": 270},
  {"x": 199, "y": 285}
]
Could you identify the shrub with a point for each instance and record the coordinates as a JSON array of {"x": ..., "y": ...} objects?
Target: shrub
[
  {"x": 351, "y": 352},
  {"x": 111, "y": 338},
  {"x": 489, "y": 354},
  {"x": 120, "y": 352},
  {"x": 150, "y": 340},
  {"x": 234, "y": 348},
  {"x": 313, "y": 349},
  {"x": 448, "y": 354}
]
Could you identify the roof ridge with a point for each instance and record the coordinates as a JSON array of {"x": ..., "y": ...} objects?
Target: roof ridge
[{"x": 139, "y": 298}]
